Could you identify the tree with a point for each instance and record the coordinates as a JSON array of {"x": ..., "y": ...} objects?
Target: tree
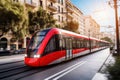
[
  {"x": 72, "y": 26},
  {"x": 107, "y": 39},
  {"x": 13, "y": 17},
  {"x": 113, "y": 70},
  {"x": 40, "y": 19}
]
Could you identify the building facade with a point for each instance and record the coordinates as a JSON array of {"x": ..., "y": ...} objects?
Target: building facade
[
  {"x": 92, "y": 28},
  {"x": 79, "y": 17},
  {"x": 63, "y": 11}
]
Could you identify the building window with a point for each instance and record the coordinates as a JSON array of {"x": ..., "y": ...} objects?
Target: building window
[
  {"x": 58, "y": 9},
  {"x": 62, "y": 10},
  {"x": 29, "y": 1},
  {"x": 41, "y": 3},
  {"x": 15, "y": 0},
  {"x": 62, "y": 19},
  {"x": 59, "y": 18},
  {"x": 58, "y": 1},
  {"x": 62, "y": 2},
  {"x": 51, "y": 4}
]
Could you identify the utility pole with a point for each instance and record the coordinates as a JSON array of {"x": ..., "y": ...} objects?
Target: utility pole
[{"x": 117, "y": 28}]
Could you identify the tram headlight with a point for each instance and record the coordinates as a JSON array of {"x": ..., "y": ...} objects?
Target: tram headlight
[
  {"x": 25, "y": 55},
  {"x": 36, "y": 56}
]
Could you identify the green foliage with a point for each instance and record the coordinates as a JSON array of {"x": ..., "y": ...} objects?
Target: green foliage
[
  {"x": 107, "y": 39},
  {"x": 13, "y": 17},
  {"x": 114, "y": 70},
  {"x": 40, "y": 19},
  {"x": 72, "y": 26}
]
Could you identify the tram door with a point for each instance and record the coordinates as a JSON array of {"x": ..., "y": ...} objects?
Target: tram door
[{"x": 68, "y": 48}]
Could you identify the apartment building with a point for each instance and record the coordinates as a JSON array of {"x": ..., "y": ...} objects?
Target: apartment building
[
  {"x": 58, "y": 10},
  {"x": 63, "y": 11},
  {"x": 69, "y": 10},
  {"x": 92, "y": 28},
  {"x": 79, "y": 17}
]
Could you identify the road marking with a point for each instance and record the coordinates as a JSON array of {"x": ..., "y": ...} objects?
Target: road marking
[{"x": 65, "y": 71}]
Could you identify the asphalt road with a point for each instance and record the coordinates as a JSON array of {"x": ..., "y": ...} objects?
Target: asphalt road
[{"x": 81, "y": 68}]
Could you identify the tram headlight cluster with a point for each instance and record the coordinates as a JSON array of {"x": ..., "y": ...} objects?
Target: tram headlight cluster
[
  {"x": 25, "y": 55},
  {"x": 34, "y": 56},
  {"x": 37, "y": 56}
]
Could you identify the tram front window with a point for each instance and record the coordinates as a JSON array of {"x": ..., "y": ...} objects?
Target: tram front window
[{"x": 35, "y": 43}]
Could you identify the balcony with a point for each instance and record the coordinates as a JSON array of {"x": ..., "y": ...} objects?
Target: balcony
[
  {"x": 54, "y": 1},
  {"x": 69, "y": 9},
  {"x": 69, "y": 15},
  {"x": 31, "y": 4},
  {"x": 53, "y": 8}
]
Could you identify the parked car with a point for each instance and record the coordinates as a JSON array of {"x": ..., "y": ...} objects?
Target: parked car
[
  {"x": 20, "y": 51},
  {"x": 4, "y": 52},
  {"x": 12, "y": 51}
]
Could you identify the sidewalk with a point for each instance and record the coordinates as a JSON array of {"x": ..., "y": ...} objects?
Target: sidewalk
[
  {"x": 100, "y": 76},
  {"x": 12, "y": 58},
  {"x": 101, "y": 73}
]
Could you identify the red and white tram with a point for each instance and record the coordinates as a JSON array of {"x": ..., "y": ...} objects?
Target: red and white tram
[{"x": 55, "y": 45}]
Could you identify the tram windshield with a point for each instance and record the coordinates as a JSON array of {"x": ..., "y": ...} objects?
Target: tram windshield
[{"x": 36, "y": 41}]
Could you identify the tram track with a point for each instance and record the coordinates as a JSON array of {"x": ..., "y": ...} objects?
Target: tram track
[
  {"x": 10, "y": 69},
  {"x": 14, "y": 69},
  {"x": 12, "y": 72},
  {"x": 19, "y": 73},
  {"x": 10, "y": 62},
  {"x": 18, "y": 70},
  {"x": 11, "y": 65},
  {"x": 23, "y": 74}
]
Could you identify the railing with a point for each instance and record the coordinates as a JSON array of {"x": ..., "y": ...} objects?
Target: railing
[{"x": 52, "y": 7}]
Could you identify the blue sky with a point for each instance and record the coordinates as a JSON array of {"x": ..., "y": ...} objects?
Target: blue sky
[{"x": 98, "y": 9}]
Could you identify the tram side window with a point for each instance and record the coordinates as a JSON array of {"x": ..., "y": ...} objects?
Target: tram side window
[
  {"x": 67, "y": 43},
  {"x": 51, "y": 46},
  {"x": 74, "y": 44},
  {"x": 97, "y": 44},
  {"x": 88, "y": 44},
  {"x": 60, "y": 43},
  {"x": 78, "y": 44},
  {"x": 70, "y": 42},
  {"x": 63, "y": 43},
  {"x": 81, "y": 43},
  {"x": 85, "y": 44},
  {"x": 91, "y": 44}
]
